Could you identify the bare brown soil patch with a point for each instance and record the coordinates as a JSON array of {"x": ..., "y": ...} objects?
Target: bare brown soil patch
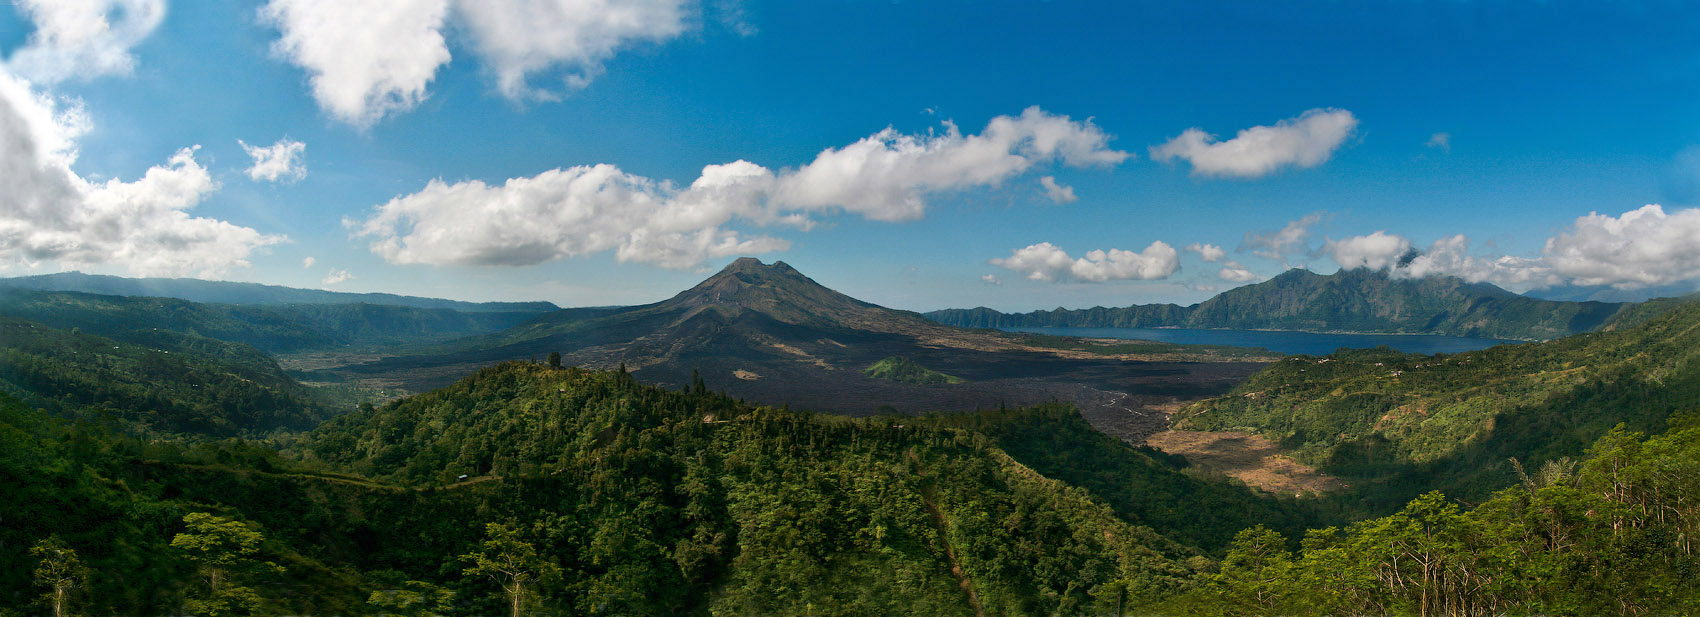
[{"x": 1252, "y": 458}]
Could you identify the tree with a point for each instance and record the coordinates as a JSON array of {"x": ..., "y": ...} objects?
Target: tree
[
  {"x": 60, "y": 572},
  {"x": 513, "y": 563},
  {"x": 412, "y": 599},
  {"x": 1257, "y": 573},
  {"x": 225, "y": 550},
  {"x": 554, "y": 359}
]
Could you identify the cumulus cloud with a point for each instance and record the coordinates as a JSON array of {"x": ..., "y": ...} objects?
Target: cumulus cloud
[
  {"x": 517, "y": 38},
  {"x": 1306, "y": 141},
  {"x": 51, "y": 213},
  {"x": 991, "y": 279},
  {"x": 1233, "y": 271},
  {"x": 1450, "y": 256},
  {"x": 590, "y": 209},
  {"x": 279, "y": 161},
  {"x": 1640, "y": 248},
  {"x": 1377, "y": 251},
  {"x": 1645, "y": 247},
  {"x": 886, "y": 176},
  {"x": 336, "y": 276},
  {"x": 308, "y": 262},
  {"x": 82, "y": 39},
  {"x": 365, "y": 59},
  {"x": 1443, "y": 141},
  {"x": 1058, "y": 193},
  {"x": 1279, "y": 244},
  {"x": 1047, "y": 262},
  {"x": 1208, "y": 252}
]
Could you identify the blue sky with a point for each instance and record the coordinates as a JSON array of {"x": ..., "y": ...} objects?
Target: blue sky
[{"x": 547, "y": 149}]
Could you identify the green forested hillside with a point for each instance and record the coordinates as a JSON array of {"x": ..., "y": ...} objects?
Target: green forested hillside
[
  {"x": 1358, "y": 300},
  {"x": 649, "y": 502},
  {"x": 1412, "y": 421},
  {"x": 623, "y": 499},
  {"x": 1609, "y": 535},
  {"x": 228, "y": 292},
  {"x": 177, "y": 383},
  {"x": 273, "y": 328}
]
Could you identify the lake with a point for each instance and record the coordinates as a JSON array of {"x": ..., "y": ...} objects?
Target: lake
[{"x": 1309, "y": 343}]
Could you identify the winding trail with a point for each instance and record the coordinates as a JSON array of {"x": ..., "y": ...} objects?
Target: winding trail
[{"x": 929, "y": 496}]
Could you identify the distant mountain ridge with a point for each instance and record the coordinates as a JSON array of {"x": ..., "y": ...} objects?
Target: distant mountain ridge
[
  {"x": 1358, "y": 300},
  {"x": 273, "y": 328},
  {"x": 226, "y": 292}
]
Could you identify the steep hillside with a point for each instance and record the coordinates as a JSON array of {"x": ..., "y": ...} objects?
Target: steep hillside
[
  {"x": 225, "y": 292},
  {"x": 1359, "y": 300},
  {"x": 175, "y": 384},
  {"x": 1413, "y": 421}
]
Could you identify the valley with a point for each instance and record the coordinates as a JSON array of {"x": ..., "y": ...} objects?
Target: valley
[{"x": 760, "y": 443}]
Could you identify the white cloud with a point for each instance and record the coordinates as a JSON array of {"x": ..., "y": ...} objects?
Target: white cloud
[
  {"x": 336, "y": 276},
  {"x": 1640, "y": 248},
  {"x": 569, "y": 213},
  {"x": 51, "y": 213},
  {"x": 1443, "y": 141},
  {"x": 366, "y": 59},
  {"x": 279, "y": 161},
  {"x": 1058, "y": 193},
  {"x": 308, "y": 262},
  {"x": 590, "y": 209},
  {"x": 886, "y": 176},
  {"x": 1449, "y": 256},
  {"x": 517, "y": 38},
  {"x": 1305, "y": 141},
  {"x": 1046, "y": 262},
  {"x": 991, "y": 279},
  {"x": 1233, "y": 271},
  {"x": 1289, "y": 240},
  {"x": 1645, "y": 247},
  {"x": 82, "y": 39},
  {"x": 1208, "y": 252},
  {"x": 1377, "y": 251}
]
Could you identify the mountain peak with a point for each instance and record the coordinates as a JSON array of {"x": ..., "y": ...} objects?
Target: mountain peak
[
  {"x": 751, "y": 265},
  {"x": 780, "y": 292}
]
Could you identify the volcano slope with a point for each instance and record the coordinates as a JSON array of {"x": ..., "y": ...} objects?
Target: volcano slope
[{"x": 768, "y": 333}]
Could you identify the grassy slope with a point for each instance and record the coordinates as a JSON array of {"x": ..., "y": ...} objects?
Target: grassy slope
[
  {"x": 1451, "y": 421},
  {"x": 903, "y": 370}
]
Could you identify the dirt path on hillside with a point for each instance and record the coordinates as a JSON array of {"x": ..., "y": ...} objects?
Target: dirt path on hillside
[{"x": 929, "y": 496}]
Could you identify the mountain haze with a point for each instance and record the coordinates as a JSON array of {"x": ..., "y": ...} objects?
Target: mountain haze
[
  {"x": 1358, "y": 300},
  {"x": 226, "y": 292}
]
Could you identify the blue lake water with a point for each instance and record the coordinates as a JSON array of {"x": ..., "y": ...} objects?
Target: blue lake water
[{"x": 1310, "y": 343}]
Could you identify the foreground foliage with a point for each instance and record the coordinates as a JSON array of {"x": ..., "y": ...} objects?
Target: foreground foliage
[
  {"x": 1614, "y": 536},
  {"x": 633, "y": 500}
]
